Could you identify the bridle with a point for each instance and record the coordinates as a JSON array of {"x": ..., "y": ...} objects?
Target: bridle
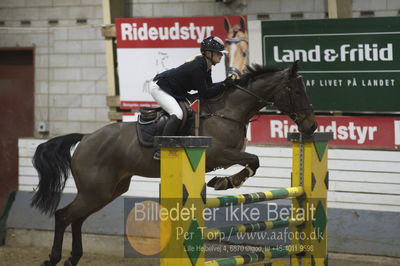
[
  {"x": 291, "y": 110},
  {"x": 235, "y": 70}
]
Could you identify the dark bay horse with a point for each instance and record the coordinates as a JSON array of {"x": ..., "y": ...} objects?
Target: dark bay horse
[{"x": 105, "y": 160}]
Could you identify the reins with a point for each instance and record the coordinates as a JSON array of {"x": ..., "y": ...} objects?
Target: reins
[
  {"x": 221, "y": 116},
  {"x": 259, "y": 100},
  {"x": 291, "y": 111}
]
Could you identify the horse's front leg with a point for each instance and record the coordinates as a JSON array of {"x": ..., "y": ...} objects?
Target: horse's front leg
[{"x": 231, "y": 157}]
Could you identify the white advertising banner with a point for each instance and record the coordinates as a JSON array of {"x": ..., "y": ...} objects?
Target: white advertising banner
[{"x": 148, "y": 46}]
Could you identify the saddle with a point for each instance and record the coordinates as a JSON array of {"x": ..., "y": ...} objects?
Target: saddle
[{"x": 151, "y": 123}]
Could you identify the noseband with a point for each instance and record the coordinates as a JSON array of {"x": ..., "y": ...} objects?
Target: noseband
[
  {"x": 291, "y": 110},
  {"x": 236, "y": 40},
  {"x": 234, "y": 70}
]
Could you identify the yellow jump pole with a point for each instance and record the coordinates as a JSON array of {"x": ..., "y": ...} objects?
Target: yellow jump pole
[
  {"x": 310, "y": 170},
  {"x": 182, "y": 199}
]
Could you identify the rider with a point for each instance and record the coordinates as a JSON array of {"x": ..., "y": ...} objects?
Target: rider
[{"x": 174, "y": 84}]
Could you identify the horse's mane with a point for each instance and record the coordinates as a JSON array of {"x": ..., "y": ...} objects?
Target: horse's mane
[
  {"x": 250, "y": 72},
  {"x": 255, "y": 70}
]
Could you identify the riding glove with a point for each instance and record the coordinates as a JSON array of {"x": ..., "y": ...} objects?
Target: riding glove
[{"x": 229, "y": 82}]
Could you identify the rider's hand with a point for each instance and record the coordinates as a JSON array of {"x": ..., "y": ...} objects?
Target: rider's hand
[
  {"x": 229, "y": 82},
  {"x": 192, "y": 97}
]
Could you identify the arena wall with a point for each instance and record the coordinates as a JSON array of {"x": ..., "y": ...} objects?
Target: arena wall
[
  {"x": 70, "y": 67},
  {"x": 363, "y": 197},
  {"x": 70, "y": 75}
]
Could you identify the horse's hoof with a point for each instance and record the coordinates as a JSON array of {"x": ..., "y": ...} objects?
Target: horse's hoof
[
  {"x": 238, "y": 180},
  {"x": 46, "y": 263},
  {"x": 222, "y": 184},
  {"x": 68, "y": 263},
  {"x": 218, "y": 183},
  {"x": 213, "y": 181}
]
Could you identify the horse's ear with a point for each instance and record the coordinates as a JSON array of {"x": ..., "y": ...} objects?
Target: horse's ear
[
  {"x": 227, "y": 24},
  {"x": 243, "y": 24},
  {"x": 294, "y": 68}
]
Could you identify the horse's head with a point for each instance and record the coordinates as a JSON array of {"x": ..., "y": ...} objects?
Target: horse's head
[
  {"x": 236, "y": 44},
  {"x": 285, "y": 88},
  {"x": 292, "y": 100}
]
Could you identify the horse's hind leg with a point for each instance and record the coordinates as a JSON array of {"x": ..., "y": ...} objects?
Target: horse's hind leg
[
  {"x": 80, "y": 207},
  {"x": 77, "y": 250},
  {"x": 56, "y": 251}
]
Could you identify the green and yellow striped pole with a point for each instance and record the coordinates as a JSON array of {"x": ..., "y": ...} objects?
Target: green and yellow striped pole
[
  {"x": 228, "y": 231},
  {"x": 282, "y": 193},
  {"x": 182, "y": 199},
  {"x": 310, "y": 171},
  {"x": 257, "y": 257}
]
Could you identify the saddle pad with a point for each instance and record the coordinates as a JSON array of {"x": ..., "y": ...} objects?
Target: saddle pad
[
  {"x": 146, "y": 133},
  {"x": 147, "y": 129}
]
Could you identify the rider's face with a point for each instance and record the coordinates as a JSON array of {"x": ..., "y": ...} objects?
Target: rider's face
[{"x": 216, "y": 57}]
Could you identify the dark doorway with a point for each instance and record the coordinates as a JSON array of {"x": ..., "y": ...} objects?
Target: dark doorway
[{"x": 16, "y": 112}]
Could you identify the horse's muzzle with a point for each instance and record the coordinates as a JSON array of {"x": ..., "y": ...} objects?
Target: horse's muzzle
[{"x": 308, "y": 127}]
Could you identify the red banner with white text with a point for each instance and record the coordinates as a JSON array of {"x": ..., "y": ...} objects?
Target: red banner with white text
[
  {"x": 149, "y": 46},
  {"x": 348, "y": 131},
  {"x": 181, "y": 32}
]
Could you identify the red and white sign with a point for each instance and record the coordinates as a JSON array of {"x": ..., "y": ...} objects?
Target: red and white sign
[
  {"x": 185, "y": 32},
  {"x": 348, "y": 131},
  {"x": 148, "y": 46}
]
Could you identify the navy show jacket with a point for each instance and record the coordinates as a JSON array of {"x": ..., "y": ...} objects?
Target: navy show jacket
[{"x": 192, "y": 75}]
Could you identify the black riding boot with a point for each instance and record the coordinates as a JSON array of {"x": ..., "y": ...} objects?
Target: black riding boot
[{"x": 170, "y": 129}]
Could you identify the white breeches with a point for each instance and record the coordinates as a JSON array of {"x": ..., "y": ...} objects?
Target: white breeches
[{"x": 166, "y": 101}]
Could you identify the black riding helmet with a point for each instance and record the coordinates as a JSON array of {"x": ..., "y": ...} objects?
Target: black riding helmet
[{"x": 213, "y": 44}]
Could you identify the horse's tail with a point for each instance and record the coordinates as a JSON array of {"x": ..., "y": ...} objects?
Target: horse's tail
[{"x": 52, "y": 161}]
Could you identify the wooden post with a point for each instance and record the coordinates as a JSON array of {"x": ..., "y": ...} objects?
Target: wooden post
[
  {"x": 340, "y": 8},
  {"x": 183, "y": 193},
  {"x": 310, "y": 170},
  {"x": 112, "y": 9}
]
